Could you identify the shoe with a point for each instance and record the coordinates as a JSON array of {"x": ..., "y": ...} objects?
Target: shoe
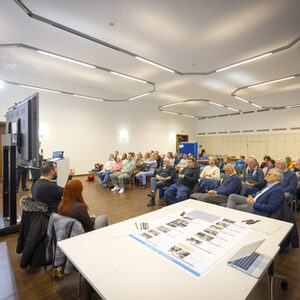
[
  {"x": 142, "y": 187},
  {"x": 116, "y": 188},
  {"x": 26, "y": 190},
  {"x": 151, "y": 202},
  {"x": 151, "y": 194},
  {"x": 106, "y": 187},
  {"x": 121, "y": 191}
]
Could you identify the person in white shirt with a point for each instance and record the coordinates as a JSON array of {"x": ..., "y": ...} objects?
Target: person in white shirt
[
  {"x": 182, "y": 164},
  {"x": 170, "y": 157},
  {"x": 104, "y": 174},
  {"x": 211, "y": 171}
]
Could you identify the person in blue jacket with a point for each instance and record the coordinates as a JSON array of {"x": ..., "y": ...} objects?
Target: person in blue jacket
[
  {"x": 265, "y": 201},
  {"x": 289, "y": 181},
  {"x": 231, "y": 185}
]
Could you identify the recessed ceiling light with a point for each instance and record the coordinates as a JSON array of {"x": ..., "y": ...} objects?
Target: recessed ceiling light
[
  {"x": 217, "y": 104},
  {"x": 154, "y": 64},
  {"x": 244, "y": 62},
  {"x": 269, "y": 82},
  {"x": 66, "y": 59},
  {"x": 40, "y": 89},
  {"x": 241, "y": 99},
  {"x": 128, "y": 77},
  {"x": 139, "y": 96},
  {"x": 173, "y": 104},
  {"x": 87, "y": 97}
]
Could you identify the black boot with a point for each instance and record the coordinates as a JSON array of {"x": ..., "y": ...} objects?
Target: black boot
[{"x": 151, "y": 202}]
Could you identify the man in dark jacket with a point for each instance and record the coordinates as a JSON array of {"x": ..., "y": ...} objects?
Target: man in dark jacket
[
  {"x": 266, "y": 201},
  {"x": 163, "y": 178},
  {"x": 188, "y": 177},
  {"x": 231, "y": 185}
]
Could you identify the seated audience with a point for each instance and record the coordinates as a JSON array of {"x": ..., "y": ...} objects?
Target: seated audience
[
  {"x": 187, "y": 179},
  {"x": 226, "y": 160},
  {"x": 106, "y": 171},
  {"x": 164, "y": 178},
  {"x": 158, "y": 159},
  {"x": 182, "y": 164},
  {"x": 264, "y": 164},
  {"x": 117, "y": 178},
  {"x": 151, "y": 166},
  {"x": 211, "y": 171},
  {"x": 265, "y": 201},
  {"x": 124, "y": 158},
  {"x": 138, "y": 163},
  {"x": 116, "y": 155},
  {"x": 289, "y": 163},
  {"x": 176, "y": 159},
  {"x": 269, "y": 166},
  {"x": 147, "y": 156},
  {"x": 73, "y": 206},
  {"x": 289, "y": 181},
  {"x": 46, "y": 191},
  {"x": 170, "y": 157},
  {"x": 231, "y": 185},
  {"x": 241, "y": 162},
  {"x": 253, "y": 177},
  {"x": 116, "y": 168},
  {"x": 297, "y": 172},
  {"x": 203, "y": 159}
]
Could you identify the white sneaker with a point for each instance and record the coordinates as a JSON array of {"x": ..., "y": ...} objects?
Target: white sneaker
[
  {"x": 116, "y": 188},
  {"x": 121, "y": 191}
]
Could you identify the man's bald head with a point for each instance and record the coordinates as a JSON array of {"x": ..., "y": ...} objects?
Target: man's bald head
[{"x": 229, "y": 169}]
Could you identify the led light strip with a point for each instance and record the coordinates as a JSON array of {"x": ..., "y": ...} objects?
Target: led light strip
[
  {"x": 270, "y": 82},
  {"x": 87, "y": 97},
  {"x": 154, "y": 64},
  {"x": 214, "y": 103},
  {"x": 39, "y": 89},
  {"x": 173, "y": 104},
  {"x": 127, "y": 76},
  {"x": 139, "y": 96}
]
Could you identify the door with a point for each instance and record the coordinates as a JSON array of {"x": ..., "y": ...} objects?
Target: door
[
  {"x": 180, "y": 138},
  {"x": 2, "y": 131}
]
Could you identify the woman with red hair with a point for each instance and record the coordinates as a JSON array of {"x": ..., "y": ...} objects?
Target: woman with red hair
[{"x": 73, "y": 206}]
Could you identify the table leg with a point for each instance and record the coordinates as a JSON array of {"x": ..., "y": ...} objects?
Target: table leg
[
  {"x": 271, "y": 278},
  {"x": 87, "y": 289}
]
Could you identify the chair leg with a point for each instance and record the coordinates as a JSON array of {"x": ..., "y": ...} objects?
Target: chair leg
[{"x": 79, "y": 285}]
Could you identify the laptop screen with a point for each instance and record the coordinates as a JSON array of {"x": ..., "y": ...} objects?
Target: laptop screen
[{"x": 58, "y": 154}]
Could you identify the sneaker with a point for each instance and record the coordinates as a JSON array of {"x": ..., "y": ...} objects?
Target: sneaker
[
  {"x": 121, "y": 191},
  {"x": 106, "y": 187},
  {"x": 116, "y": 188},
  {"x": 142, "y": 187},
  {"x": 151, "y": 202},
  {"x": 151, "y": 194}
]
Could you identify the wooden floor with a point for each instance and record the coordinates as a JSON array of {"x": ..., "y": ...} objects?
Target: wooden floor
[{"x": 31, "y": 284}]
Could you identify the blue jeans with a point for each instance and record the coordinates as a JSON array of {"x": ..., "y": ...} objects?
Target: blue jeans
[
  {"x": 251, "y": 190},
  {"x": 157, "y": 184},
  {"x": 106, "y": 178},
  {"x": 142, "y": 176},
  {"x": 177, "y": 192}
]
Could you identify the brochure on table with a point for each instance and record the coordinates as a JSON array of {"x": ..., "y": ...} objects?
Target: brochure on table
[{"x": 194, "y": 240}]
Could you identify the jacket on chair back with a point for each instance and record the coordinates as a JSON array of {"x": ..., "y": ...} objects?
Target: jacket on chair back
[{"x": 33, "y": 233}]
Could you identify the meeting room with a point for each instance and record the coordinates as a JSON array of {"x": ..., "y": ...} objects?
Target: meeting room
[{"x": 149, "y": 149}]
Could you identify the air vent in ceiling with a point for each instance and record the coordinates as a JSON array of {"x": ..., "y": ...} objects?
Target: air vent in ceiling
[
  {"x": 279, "y": 129},
  {"x": 277, "y": 108},
  {"x": 235, "y": 131},
  {"x": 211, "y": 133},
  {"x": 295, "y": 128},
  {"x": 211, "y": 117},
  {"x": 222, "y": 132},
  {"x": 201, "y": 133},
  {"x": 249, "y": 130},
  {"x": 262, "y": 110},
  {"x": 248, "y": 112}
]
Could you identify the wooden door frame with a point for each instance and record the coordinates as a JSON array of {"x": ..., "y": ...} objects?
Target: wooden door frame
[{"x": 185, "y": 135}]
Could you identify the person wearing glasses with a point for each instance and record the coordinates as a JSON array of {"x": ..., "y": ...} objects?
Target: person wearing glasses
[{"x": 265, "y": 201}]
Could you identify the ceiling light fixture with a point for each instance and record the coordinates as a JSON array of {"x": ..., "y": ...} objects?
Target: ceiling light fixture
[
  {"x": 217, "y": 104},
  {"x": 136, "y": 97},
  {"x": 87, "y": 97},
  {"x": 241, "y": 99},
  {"x": 189, "y": 116},
  {"x": 154, "y": 64},
  {"x": 128, "y": 77},
  {"x": 66, "y": 59},
  {"x": 269, "y": 82},
  {"x": 256, "y": 105},
  {"x": 169, "y": 112},
  {"x": 40, "y": 89},
  {"x": 244, "y": 62},
  {"x": 233, "y": 109},
  {"x": 173, "y": 104},
  {"x": 292, "y": 106},
  {"x": 2, "y": 83}
]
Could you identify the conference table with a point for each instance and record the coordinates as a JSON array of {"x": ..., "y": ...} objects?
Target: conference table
[{"x": 117, "y": 267}]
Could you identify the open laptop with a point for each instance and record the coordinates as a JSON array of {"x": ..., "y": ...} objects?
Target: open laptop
[{"x": 248, "y": 261}]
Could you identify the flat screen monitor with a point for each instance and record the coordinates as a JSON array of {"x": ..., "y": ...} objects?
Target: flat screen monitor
[
  {"x": 23, "y": 119},
  {"x": 58, "y": 154}
]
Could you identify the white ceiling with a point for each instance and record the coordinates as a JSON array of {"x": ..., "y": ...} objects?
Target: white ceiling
[{"x": 188, "y": 36}]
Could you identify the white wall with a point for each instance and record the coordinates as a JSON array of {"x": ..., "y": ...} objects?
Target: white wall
[{"x": 89, "y": 130}]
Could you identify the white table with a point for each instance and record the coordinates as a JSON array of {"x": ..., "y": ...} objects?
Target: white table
[{"x": 118, "y": 267}]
